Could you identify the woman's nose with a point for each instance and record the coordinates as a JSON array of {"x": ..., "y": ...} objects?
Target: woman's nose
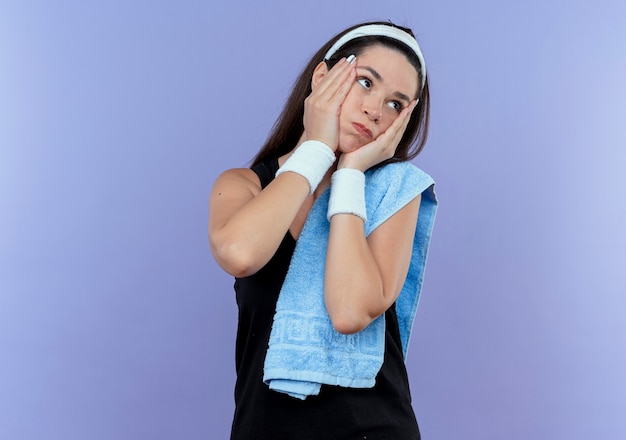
[{"x": 372, "y": 109}]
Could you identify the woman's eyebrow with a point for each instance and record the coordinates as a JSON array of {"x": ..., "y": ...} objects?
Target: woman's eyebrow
[
  {"x": 374, "y": 73},
  {"x": 403, "y": 97},
  {"x": 377, "y": 77}
]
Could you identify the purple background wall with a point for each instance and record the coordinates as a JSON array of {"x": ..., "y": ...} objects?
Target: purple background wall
[{"x": 116, "y": 117}]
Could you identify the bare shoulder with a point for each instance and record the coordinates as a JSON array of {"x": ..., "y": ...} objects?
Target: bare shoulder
[
  {"x": 237, "y": 181},
  {"x": 231, "y": 190}
]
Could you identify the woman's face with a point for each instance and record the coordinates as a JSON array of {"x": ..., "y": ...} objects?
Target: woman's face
[{"x": 385, "y": 83}]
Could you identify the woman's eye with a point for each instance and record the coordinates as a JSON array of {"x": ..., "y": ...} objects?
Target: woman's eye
[
  {"x": 365, "y": 82},
  {"x": 396, "y": 106}
]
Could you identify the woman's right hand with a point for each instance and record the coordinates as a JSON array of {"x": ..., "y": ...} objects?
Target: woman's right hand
[{"x": 323, "y": 105}]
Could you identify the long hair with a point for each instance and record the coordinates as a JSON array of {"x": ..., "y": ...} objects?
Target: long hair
[{"x": 289, "y": 126}]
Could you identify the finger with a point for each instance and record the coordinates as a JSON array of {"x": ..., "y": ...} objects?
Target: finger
[
  {"x": 343, "y": 88},
  {"x": 407, "y": 112},
  {"x": 406, "y": 117},
  {"x": 331, "y": 98},
  {"x": 335, "y": 78},
  {"x": 401, "y": 122},
  {"x": 327, "y": 80},
  {"x": 396, "y": 130},
  {"x": 342, "y": 83}
]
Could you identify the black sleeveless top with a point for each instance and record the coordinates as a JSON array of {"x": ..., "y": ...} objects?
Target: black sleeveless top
[{"x": 381, "y": 412}]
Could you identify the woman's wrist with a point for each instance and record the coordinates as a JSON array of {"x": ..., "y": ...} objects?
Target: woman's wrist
[
  {"x": 347, "y": 193},
  {"x": 347, "y": 162},
  {"x": 311, "y": 159}
]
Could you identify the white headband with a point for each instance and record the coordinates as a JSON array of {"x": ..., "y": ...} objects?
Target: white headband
[{"x": 383, "y": 31}]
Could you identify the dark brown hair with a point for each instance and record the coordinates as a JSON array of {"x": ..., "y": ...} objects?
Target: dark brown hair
[{"x": 289, "y": 127}]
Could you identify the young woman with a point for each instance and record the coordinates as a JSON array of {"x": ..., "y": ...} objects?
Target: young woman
[{"x": 337, "y": 162}]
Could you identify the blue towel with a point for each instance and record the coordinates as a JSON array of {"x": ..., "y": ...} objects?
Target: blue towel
[{"x": 305, "y": 350}]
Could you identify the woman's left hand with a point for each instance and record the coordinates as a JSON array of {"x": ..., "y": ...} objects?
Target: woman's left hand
[{"x": 380, "y": 149}]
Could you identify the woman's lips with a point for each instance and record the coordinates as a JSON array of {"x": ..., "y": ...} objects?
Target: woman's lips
[{"x": 362, "y": 130}]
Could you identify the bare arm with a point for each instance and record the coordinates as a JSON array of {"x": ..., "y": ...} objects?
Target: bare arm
[
  {"x": 247, "y": 224},
  {"x": 364, "y": 277}
]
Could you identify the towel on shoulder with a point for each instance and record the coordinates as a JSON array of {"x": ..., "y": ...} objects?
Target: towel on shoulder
[{"x": 305, "y": 351}]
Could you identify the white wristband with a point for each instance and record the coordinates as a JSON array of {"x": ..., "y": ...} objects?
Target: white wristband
[
  {"x": 347, "y": 193},
  {"x": 311, "y": 160}
]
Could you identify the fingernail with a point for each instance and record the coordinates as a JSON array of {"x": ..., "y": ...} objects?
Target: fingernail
[{"x": 351, "y": 59}]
